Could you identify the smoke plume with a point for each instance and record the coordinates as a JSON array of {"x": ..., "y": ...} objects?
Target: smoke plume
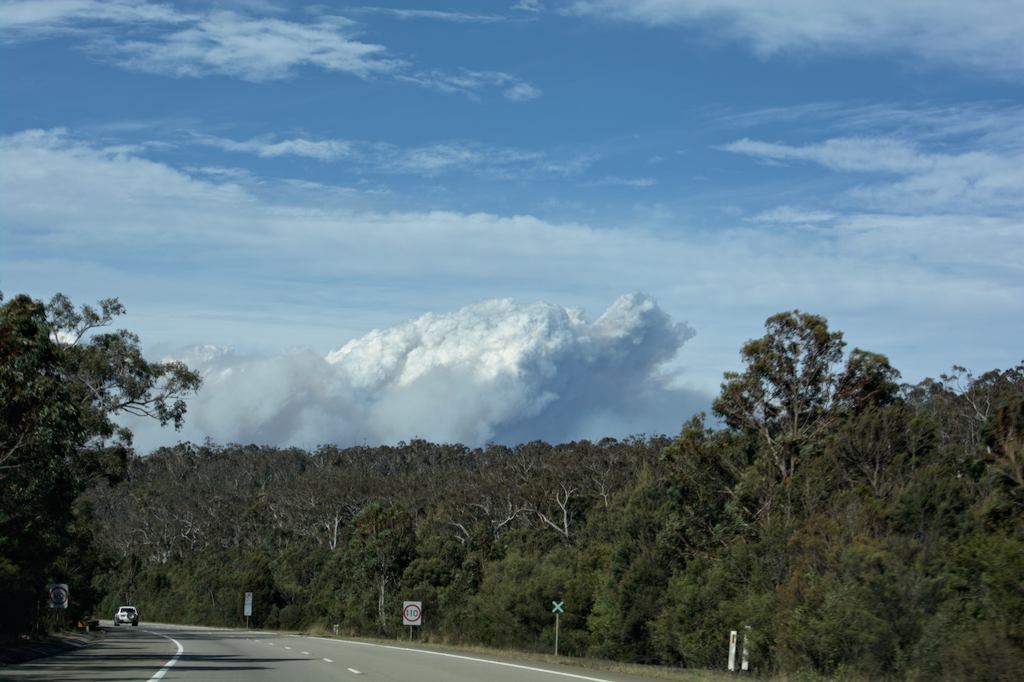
[{"x": 492, "y": 371}]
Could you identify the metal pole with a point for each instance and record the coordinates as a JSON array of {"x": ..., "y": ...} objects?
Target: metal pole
[{"x": 556, "y": 634}]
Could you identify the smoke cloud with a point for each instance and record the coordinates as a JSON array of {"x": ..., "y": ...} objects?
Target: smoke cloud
[{"x": 493, "y": 371}]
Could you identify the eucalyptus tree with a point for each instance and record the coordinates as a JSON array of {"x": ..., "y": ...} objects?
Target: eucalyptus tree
[{"x": 63, "y": 384}]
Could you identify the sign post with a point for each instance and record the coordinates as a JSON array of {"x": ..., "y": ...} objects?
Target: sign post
[
  {"x": 412, "y": 614},
  {"x": 557, "y": 608},
  {"x": 59, "y": 597},
  {"x": 248, "y": 608}
]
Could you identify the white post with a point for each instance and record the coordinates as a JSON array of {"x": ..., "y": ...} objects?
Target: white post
[
  {"x": 732, "y": 651},
  {"x": 744, "y": 661},
  {"x": 556, "y": 634}
]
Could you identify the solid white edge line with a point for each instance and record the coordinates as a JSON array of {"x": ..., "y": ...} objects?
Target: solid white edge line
[
  {"x": 517, "y": 666},
  {"x": 169, "y": 664}
]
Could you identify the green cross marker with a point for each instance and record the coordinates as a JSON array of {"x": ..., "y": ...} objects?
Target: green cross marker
[{"x": 558, "y": 607}]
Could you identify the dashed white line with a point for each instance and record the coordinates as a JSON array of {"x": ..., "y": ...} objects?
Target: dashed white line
[
  {"x": 167, "y": 666},
  {"x": 305, "y": 653},
  {"x": 327, "y": 660},
  {"x": 354, "y": 671},
  {"x": 288, "y": 648}
]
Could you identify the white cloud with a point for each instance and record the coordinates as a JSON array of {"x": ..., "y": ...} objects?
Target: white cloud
[
  {"x": 426, "y": 160},
  {"x": 985, "y": 34},
  {"x": 791, "y": 215},
  {"x": 433, "y": 14},
  {"x": 31, "y": 18},
  {"x": 974, "y": 180},
  {"x": 528, "y": 6},
  {"x": 215, "y": 259},
  {"x": 157, "y": 38},
  {"x": 269, "y": 147},
  {"x": 227, "y": 43},
  {"x": 625, "y": 182},
  {"x": 433, "y": 159},
  {"x": 471, "y": 83},
  {"x": 523, "y": 92},
  {"x": 487, "y": 371}
]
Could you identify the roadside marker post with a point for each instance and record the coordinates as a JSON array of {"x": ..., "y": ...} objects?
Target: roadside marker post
[
  {"x": 732, "y": 651},
  {"x": 557, "y": 608},
  {"x": 744, "y": 660},
  {"x": 248, "y": 608}
]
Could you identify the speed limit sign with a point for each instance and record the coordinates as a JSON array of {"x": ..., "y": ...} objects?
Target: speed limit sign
[
  {"x": 58, "y": 595},
  {"x": 412, "y": 613}
]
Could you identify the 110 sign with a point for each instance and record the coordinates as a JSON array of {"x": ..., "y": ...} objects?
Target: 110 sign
[{"x": 412, "y": 613}]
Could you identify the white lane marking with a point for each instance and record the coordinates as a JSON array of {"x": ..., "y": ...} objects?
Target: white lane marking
[
  {"x": 305, "y": 653},
  {"x": 270, "y": 644},
  {"x": 327, "y": 660},
  {"x": 354, "y": 671},
  {"x": 517, "y": 666},
  {"x": 167, "y": 666},
  {"x": 288, "y": 648}
]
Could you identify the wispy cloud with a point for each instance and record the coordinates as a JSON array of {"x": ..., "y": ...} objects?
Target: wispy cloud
[
  {"x": 977, "y": 179},
  {"x": 529, "y": 5},
  {"x": 432, "y": 14},
  {"x": 789, "y": 215},
  {"x": 23, "y": 19},
  {"x": 624, "y": 182},
  {"x": 159, "y": 39},
  {"x": 983, "y": 35},
  {"x": 270, "y": 147},
  {"x": 472, "y": 83},
  {"x": 227, "y": 43},
  {"x": 429, "y": 160},
  {"x": 523, "y": 92}
]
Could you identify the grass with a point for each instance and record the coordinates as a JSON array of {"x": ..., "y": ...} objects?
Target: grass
[{"x": 596, "y": 664}]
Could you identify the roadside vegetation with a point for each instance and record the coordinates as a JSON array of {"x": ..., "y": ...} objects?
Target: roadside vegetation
[{"x": 847, "y": 525}]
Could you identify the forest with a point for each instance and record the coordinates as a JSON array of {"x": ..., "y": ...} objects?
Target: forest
[{"x": 846, "y": 523}]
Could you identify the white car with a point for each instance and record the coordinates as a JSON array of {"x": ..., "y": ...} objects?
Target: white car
[{"x": 126, "y": 614}]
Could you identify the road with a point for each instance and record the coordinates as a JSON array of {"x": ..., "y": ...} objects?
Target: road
[{"x": 151, "y": 653}]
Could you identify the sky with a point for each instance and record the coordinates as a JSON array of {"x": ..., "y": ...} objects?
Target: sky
[{"x": 502, "y": 221}]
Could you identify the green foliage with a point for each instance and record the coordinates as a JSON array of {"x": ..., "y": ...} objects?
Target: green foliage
[
  {"x": 889, "y": 547},
  {"x": 61, "y": 386}
]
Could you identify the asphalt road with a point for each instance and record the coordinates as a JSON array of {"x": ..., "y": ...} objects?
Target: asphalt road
[{"x": 163, "y": 652}]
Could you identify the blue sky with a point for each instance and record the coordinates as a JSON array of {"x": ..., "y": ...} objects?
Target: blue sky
[{"x": 533, "y": 219}]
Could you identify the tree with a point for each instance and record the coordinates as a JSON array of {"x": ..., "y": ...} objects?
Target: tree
[
  {"x": 1004, "y": 441},
  {"x": 791, "y": 392},
  {"x": 61, "y": 388},
  {"x": 382, "y": 542},
  {"x": 108, "y": 374},
  {"x": 40, "y": 428}
]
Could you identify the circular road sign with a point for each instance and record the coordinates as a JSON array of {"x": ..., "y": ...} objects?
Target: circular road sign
[
  {"x": 412, "y": 613},
  {"x": 59, "y": 596}
]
